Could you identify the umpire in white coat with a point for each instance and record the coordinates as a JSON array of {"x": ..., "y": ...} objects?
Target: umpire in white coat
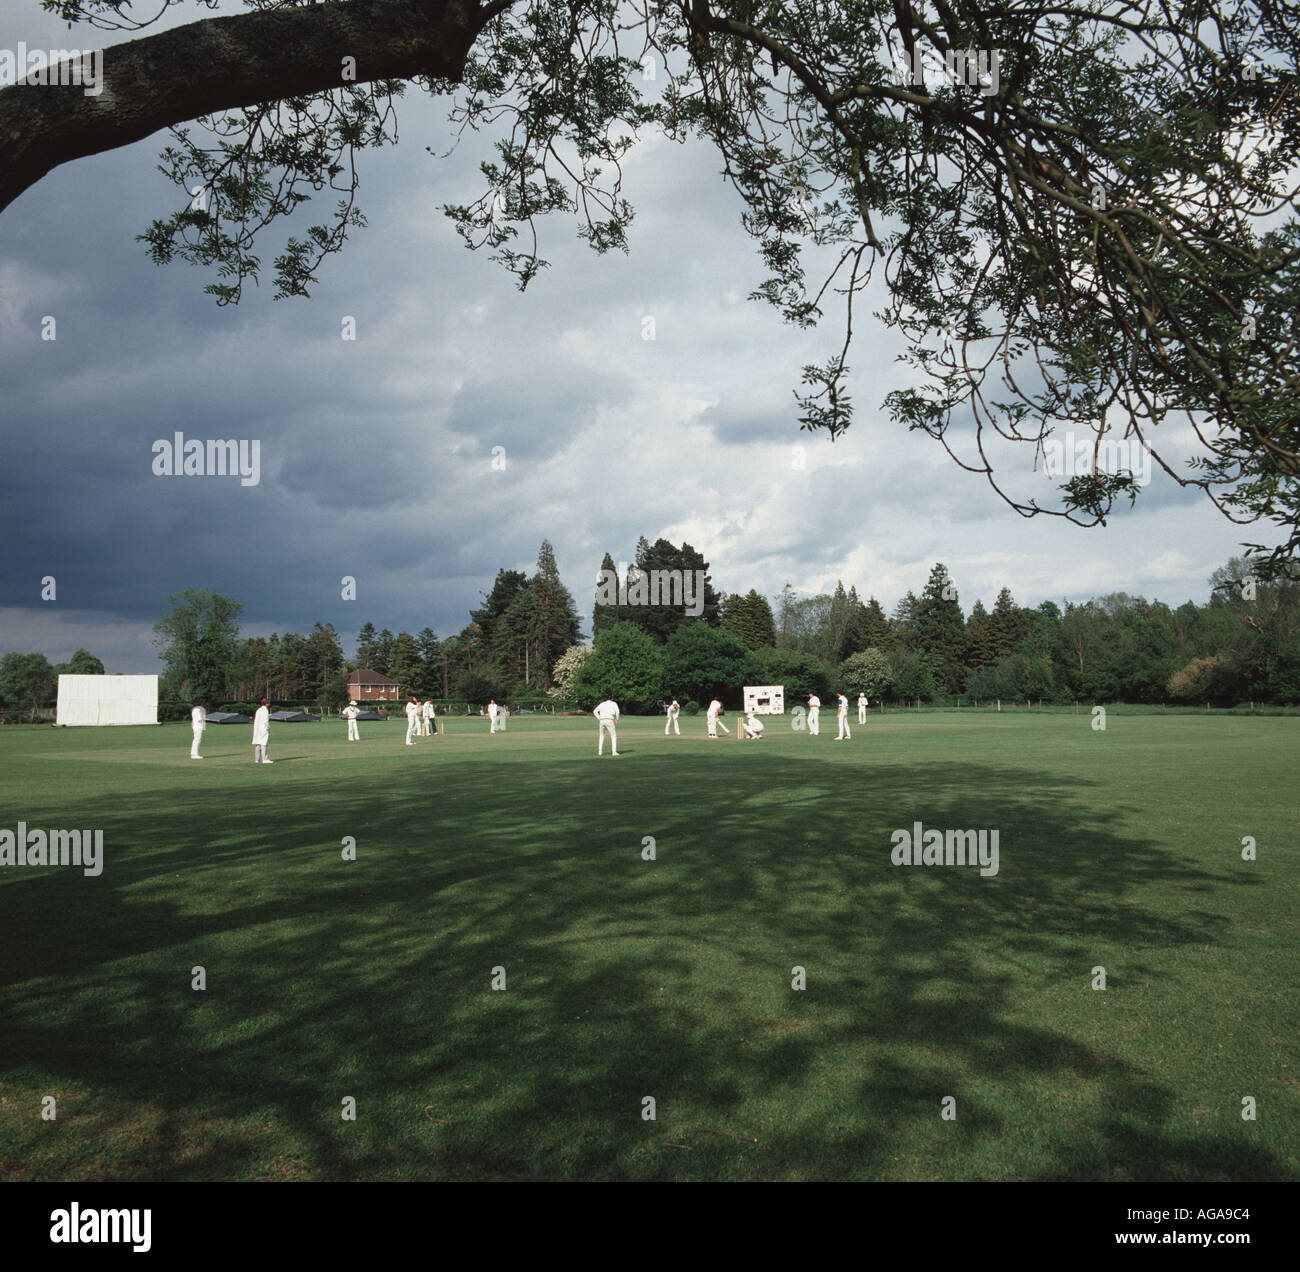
[
  {"x": 198, "y": 722},
  {"x": 262, "y": 734}
]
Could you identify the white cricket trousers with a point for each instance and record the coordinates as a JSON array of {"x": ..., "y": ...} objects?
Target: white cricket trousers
[
  {"x": 197, "y": 730},
  {"x": 353, "y": 734},
  {"x": 844, "y": 727},
  {"x": 607, "y": 726},
  {"x": 814, "y": 720}
]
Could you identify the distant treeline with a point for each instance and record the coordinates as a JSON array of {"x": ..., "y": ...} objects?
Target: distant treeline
[{"x": 522, "y": 644}]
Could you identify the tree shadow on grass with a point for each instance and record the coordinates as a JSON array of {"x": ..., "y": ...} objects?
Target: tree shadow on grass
[{"x": 624, "y": 979}]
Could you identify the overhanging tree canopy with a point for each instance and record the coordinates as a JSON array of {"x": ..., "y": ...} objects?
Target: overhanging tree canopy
[{"x": 1084, "y": 211}]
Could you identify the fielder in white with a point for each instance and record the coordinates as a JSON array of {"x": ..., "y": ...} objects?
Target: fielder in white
[
  {"x": 673, "y": 712},
  {"x": 607, "y": 714},
  {"x": 426, "y": 717},
  {"x": 198, "y": 722},
  {"x": 814, "y": 714},
  {"x": 863, "y": 704},
  {"x": 262, "y": 734},
  {"x": 350, "y": 714},
  {"x": 412, "y": 719},
  {"x": 711, "y": 719},
  {"x": 842, "y": 716}
]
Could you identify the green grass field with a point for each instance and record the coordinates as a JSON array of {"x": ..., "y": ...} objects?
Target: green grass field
[{"x": 671, "y": 978}]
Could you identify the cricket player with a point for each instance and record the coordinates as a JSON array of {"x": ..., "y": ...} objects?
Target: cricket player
[
  {"x": 426, "y": 717},
  {"x": 412, "y": 719},
  {"x": 198, "y": 722},
  {"x": 607, "y": 714},
  {"x": 814, "y": 714},
  {"x": 674, "y": 711},
  {"x": 262, "y": 734},
  {"x": 753, "y": 727},
  {"x": 711, "y": 718},
  {"x": 842, "y": 717},
  {"x": 863, "y": 704},
  {"x": 350, "y": 714}
]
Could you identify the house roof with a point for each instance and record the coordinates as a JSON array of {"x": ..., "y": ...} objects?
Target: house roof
[{"x": 364, "y": 676}]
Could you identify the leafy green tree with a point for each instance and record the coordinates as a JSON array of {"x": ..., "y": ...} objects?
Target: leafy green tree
[
  {"x": 626, "y": 665},
  {"x": 82, "y": 663},
  {"x": 866, "y": 672},
  {"x": 381, "y": 653},
  {"x": 785, "y": 615},
  {"x": 553, "y": 622},
  {"x": 920, "y": 676},
  {"x": 661, "y": 620},
  {"x": 322, "y": 663},
  {"x": 749, "y": 618},
  {"x": 406, "y": 666},
  {"x": 703, "y": 662},
  {"x": 938, "y": 627},
  {"x": 566, "y": 667},
  {"x": 900, "y": 625},
  {"x": 867, "y": 627},
  {"x": 476, "y": 689},
  {"x": 198, "y": 637},
  {"x": 366, "y": 647},
  {"x": 978, "y": 653},
  {"x": 429, "y": 647},
  {"x": 27, "y": 681},
  {"x": 507, "y": 586},
  {"x": 604, "y": 616},
  {"x": 800, "y": 673},
  {"x": 1007, "y": 627}
]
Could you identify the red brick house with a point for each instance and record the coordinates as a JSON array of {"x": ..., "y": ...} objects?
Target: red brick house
[{"x": 369, "y": 686}]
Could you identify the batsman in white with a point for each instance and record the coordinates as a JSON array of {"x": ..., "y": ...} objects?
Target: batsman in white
[
  {"x": 607, "y": 714},
  {"x": 712, "y": 720},
  {"x": 198, "y": 721}
]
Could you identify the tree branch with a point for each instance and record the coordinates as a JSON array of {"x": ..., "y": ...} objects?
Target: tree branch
[{"x": 227, "y": 63}]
